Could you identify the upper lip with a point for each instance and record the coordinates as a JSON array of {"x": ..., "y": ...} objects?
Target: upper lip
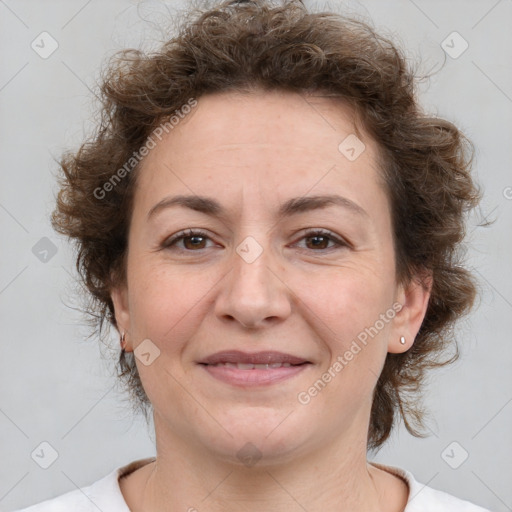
[{"x": 266, "y": 357}]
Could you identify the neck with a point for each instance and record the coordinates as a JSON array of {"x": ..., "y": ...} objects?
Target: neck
[{"x": 335, "y": 476}]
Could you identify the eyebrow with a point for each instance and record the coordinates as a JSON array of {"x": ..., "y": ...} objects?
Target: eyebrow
[{"x": 294, "y": 206}]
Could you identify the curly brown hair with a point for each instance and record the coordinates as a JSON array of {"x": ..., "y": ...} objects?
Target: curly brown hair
[{"x": 241, "y": 46}]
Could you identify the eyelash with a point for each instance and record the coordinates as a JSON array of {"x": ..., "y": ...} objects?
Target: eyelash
[{"x": 190, "y": 233}]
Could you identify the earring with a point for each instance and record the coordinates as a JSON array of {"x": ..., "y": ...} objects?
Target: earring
[
  {"x": 402, "y": 340},
  {"x": 123, "y": 341}
]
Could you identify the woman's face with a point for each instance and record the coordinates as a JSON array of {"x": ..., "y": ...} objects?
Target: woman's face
[{"x": 259, "y": 278}]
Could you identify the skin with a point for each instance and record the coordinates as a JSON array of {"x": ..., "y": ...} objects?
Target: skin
[{"x": 252, "y": 152}]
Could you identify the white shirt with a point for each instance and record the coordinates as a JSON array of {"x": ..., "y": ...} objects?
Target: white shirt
[{"x": 105, "y": 495}]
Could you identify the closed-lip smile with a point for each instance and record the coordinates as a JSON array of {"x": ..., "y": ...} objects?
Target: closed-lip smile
[{"x": 252, "y": 369}]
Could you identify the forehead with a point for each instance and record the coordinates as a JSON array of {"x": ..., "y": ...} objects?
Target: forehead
[
  {"x": 262, "y": 141},
  {"x": 268, "y": 117}
]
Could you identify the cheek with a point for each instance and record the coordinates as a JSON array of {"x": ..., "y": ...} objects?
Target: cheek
[
  {"x": 355, "y": 350},
  {"x": 164, "y": 308},
  {"x": 166, "y": 301},
  {"x": 346, "y": 307},
  {"x": 348, "y": 298}
]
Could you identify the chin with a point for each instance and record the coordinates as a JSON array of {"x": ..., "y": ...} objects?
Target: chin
[{"x": 260, "y": 436}]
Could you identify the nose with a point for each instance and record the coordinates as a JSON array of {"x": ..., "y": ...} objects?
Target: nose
[{"x": 253, "y": 293}]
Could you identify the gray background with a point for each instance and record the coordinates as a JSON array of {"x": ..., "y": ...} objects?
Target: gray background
[{"x": 56, "y": 386}]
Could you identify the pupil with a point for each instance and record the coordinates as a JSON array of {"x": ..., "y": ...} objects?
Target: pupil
[
  {"x": 194, "y": 240},
  {"x": 317, "y": 238}
]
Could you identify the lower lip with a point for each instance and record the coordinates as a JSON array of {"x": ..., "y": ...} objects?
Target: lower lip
[{"x": 254, "y": 377}]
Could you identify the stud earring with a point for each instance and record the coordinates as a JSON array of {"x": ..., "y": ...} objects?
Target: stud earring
[{"x": 402, "y": 340}]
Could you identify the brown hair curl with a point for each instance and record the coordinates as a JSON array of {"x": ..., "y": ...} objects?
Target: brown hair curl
[{"x": 238, "y": 46}]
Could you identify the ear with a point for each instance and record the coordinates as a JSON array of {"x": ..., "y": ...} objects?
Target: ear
[
  {"x": 413, "y": 297},
  {"x": 119, "y": 296}
]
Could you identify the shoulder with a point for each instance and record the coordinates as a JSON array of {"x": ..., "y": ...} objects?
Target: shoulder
[
  {"x": 426, "y": 499},
  {"x": 104, "y": 494}
]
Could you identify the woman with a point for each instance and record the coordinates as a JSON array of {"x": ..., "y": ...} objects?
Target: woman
[{"x": 272, "y": 225}]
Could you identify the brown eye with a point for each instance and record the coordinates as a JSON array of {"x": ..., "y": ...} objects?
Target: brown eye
[
  {"x": 192, "y": 241},
  {"x": 319, "y": 240}
]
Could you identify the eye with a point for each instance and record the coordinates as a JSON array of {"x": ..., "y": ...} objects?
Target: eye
[
  {"x": 320, "y": 240},
  {"x": 192, "y": 240}
]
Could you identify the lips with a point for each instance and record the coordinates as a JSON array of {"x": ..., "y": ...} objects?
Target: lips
[
  {"x": 250, "y": 366},
  {"x": 253, "y": 370},
  {"x": 251, "y": 361}
]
